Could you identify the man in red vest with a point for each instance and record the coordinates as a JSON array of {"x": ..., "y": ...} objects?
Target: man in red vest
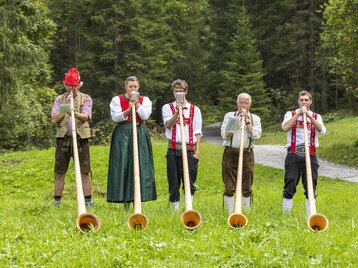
[
  {"x": 192, "y": 127},
  {"x": 295, "y": 165},
  {"x": 61, "y": 117}
]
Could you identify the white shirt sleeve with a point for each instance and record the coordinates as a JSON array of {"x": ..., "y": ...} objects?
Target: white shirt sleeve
[
  {"x": 223, "y": 126},
  {"x": 288, "y": 116},
  {"x": 197, "y": 122},
  {"x": 323, "y": 130},
  {"x": 256, "y": 128},
  {"x": 116, "y": 110},
  {"x": 145, "y": 109},
  {"x": 166, "y": 113}
]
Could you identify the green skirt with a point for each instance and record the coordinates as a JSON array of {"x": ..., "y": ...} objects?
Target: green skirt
[{"x": 120, "y": 187}]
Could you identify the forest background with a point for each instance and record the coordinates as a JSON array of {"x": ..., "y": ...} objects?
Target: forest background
[{"x": 270, "y": 49}]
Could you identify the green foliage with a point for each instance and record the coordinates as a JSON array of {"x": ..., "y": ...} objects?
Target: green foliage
[
  {"x": 25, "y": 35},
  {"x": 25, "y": 120},
  {"x": 238, "y": 68},
  {"x": 288, "y": 34},
  {"x": 33, "y": 233},
  {"x": 340, "y": 44}
]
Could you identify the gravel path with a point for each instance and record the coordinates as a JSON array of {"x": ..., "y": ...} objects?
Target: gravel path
[{"x": 274, "y": 156}]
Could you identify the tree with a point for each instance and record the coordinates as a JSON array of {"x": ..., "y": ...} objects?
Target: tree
[
  {"x": 25, "y": 36},
  {"x": 288, "y": 36},
  {"x": 242, "y": 70},
  {"x": 235, "y": 63},
  {"x": 340, "y": 45}
]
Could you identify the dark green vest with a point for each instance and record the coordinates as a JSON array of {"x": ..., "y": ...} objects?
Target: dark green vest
[{"x": 83, "y": 129}]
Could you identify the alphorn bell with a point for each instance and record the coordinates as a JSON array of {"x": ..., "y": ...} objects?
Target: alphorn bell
[
  {"x": 315, "y": 222},
  {"x": 237, "y": 220},
  {"x": 136, "y": 221},
  {"x": 190, "y": 218},
  {"x": 85, "y": 221}
]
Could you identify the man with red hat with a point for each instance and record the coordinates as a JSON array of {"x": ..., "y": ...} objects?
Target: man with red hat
[{"x": 61, "y": 117}]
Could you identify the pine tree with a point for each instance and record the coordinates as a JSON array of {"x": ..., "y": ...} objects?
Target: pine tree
[
  {"x": 25, "y": 34},
  {"x": 235, "y": 63},
  {"x": 242, "y": 70}
]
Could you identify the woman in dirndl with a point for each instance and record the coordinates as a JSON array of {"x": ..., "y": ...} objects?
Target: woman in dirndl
[{"x": 120, "y": 187}]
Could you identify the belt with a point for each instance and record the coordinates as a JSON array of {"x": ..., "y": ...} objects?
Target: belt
[
  {"x": 238, "y": 149},
  {"x": 178, "y": 146},
  {"x": 299, "y": 149}
]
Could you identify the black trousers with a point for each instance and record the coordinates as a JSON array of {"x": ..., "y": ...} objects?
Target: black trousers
[
  {"x": 175, "y": 172},
  {"x": 295, "y": 167}
]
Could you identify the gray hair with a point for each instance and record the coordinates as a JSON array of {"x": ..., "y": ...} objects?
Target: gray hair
[{"x": 244, "y": 95}]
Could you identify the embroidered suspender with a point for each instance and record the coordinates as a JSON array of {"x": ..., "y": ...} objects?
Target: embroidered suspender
[
  {"x": 187, "y": 121},
  {"x": 312, "y": 131}
]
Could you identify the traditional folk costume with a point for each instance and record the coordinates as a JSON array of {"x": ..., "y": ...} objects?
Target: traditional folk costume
[
  {"x": 82, "y": 103},
  {"x": 192, "y": 127},
  {"x": 231, "y": 157},
  {"x": 295, "y": 163},
  {"x": 64, "y": 150},
  {"x": 120, "y": 186}
]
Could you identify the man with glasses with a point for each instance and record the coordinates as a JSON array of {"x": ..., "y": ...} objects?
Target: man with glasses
[
  {"x": 192, "y": 127},
  {"x": 295, "y": 164},
  {"x": 61, "y": 117},
  {"x": 230, "y": 133}
]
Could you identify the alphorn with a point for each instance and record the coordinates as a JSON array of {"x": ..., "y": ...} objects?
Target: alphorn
[
  {"x": 190, "y": 218},
  {"x": 85, "y": 221},
  {"x": 315, "y": 222},
  {"x": 136, "y": 221},
  {"x": 237, "y": 220}
]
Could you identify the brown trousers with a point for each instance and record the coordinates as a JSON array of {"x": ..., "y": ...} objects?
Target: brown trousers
[{"x": 230, "y": 163}]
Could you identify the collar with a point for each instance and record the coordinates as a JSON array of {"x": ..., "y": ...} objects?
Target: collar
[{"x": 185, "y": 107}]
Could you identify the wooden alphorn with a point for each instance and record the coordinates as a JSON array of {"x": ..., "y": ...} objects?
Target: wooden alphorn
[
  {"x": 136, "y": 221},
  {"x": 237, "y": 220},
  {"x": 190, "y": 218},
  {"x": 315, "y": 222},
  {"x": 85, "y": 221}
]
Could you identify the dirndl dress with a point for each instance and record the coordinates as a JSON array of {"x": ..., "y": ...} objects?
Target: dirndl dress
[{"x": 120, "y": 186}]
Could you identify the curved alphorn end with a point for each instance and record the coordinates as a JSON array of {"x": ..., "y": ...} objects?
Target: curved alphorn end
[
  {"x": 137, "y": 222},
  {"x": 88, "y": 221},
  {"x": 317, "y": 223},
  {"x": 191, "y": 219},
  {"x": 237, "y": 221}
]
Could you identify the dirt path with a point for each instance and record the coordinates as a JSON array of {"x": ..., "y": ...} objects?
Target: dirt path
[{"x": 274, "y": 156}]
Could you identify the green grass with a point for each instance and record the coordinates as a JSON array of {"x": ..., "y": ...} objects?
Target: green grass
[
  {"x": 34, "y": 234},
  {"x": 339, "y": 145}
]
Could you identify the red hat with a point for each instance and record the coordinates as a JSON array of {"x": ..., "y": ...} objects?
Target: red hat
[{"x": 72, "y": 77}]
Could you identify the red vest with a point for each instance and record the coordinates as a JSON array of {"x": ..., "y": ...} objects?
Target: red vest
[
  {"x": 300, "y": 125},
  {"x": 187, "y": 121},
  {"x": 125, "y": 106}
]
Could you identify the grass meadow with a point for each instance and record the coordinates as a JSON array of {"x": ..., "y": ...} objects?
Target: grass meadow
[{"x": 35, "y": 234}]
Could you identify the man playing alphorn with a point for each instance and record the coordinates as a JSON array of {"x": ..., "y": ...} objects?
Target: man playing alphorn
[
  {"x": 295, "y": 164},
  {"x": 230, "y": 132},
  {"x": 62, "y": 120},
  {"x": 192, "y": 127}
]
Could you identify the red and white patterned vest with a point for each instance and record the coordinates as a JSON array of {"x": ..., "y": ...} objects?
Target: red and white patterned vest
[
  {"x": 187, "y": 121},
  {"x": 299, "y": 124}
]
